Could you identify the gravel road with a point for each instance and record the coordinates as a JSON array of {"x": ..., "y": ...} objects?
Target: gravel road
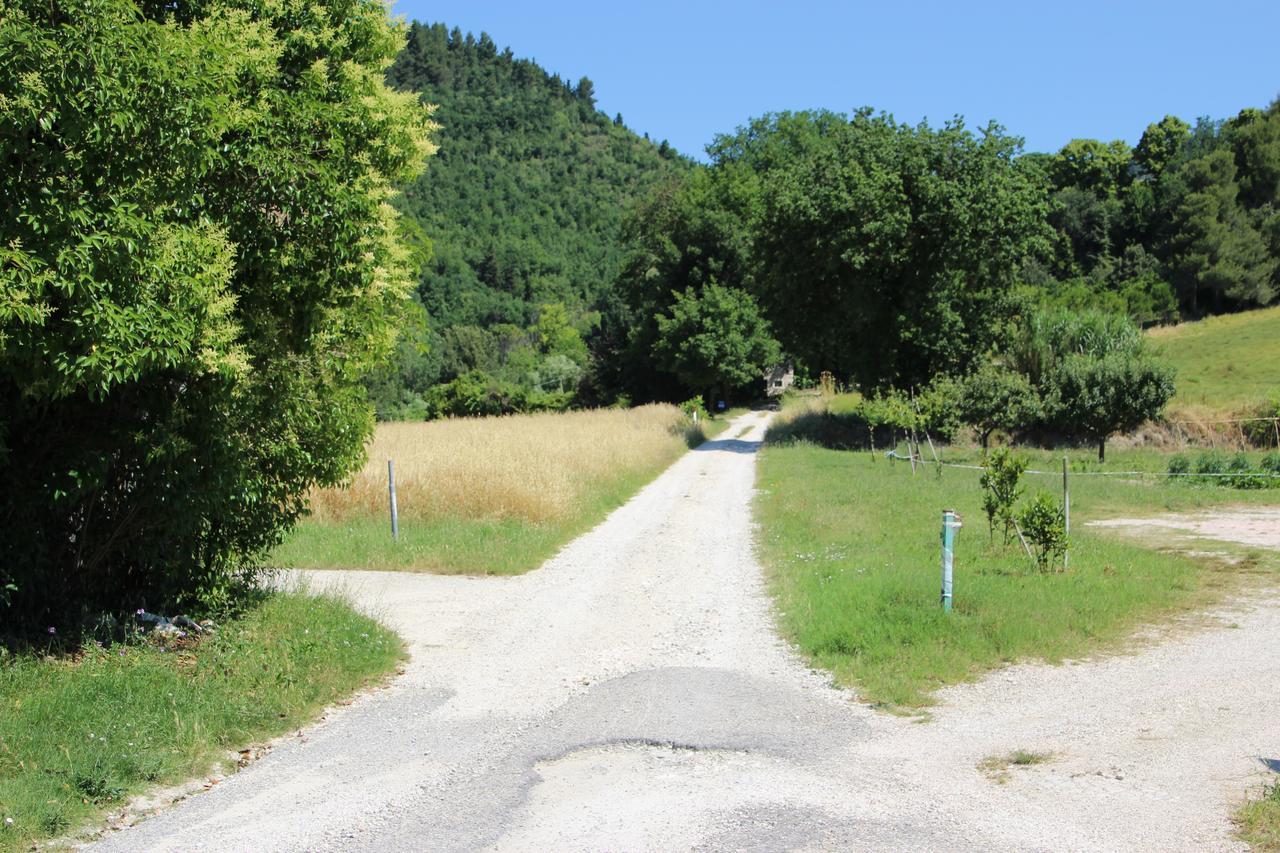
[{"x": 631, "y": 695}]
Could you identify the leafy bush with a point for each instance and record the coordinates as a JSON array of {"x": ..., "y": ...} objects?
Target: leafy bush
[
  {"x": 1091, "y": 371},
  {"x": 693, "y": 405},
  {"x": 1001, "y": 489},
  {"x": 1211, "y": 462},
  {"x": 196, "y": 277},
  {"x": 995, "y": 397},
  {"x": 1044, "y": 527},
  {"x": 1215, "y": 468},
  {"x": 938, "y": 405},
  {"x": 477, "y": 394},
  {"x": 715, "y": 338},
  {"x": 892, "y": 409},
  {"x": 558, "y": 373},
  {"x": 1045, "y": 338},
  {"x": 1246, "y": 475}
]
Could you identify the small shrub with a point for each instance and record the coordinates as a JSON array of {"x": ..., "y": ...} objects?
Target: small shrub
[
  {"x": 692, "y": 405},
  {"x": 892, "y": 409},
  {"x": 996, "y": 397},
  {"x": 1044, "y": 527},
  {"x": 1237, "y": 472},
  {"x": 938, "y": 405},
  {"x": 1246, "y": 476},
  {"x": 1001, "y": 489},
  {"x": 1211, "y": 463}
]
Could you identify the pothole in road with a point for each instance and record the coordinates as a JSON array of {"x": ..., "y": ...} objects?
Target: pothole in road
[{"x": 674, "y": 796}]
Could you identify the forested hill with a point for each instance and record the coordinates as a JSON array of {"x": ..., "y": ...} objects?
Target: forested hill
[{"x": 524, "y": 202}]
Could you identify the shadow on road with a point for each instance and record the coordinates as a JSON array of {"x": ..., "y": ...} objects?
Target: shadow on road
[{"x": 729, "y": 445}]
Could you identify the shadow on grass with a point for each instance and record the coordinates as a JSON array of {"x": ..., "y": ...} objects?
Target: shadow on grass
[
  {"x": 694, "y": 436},
  {"x": 843, "y": 431}
]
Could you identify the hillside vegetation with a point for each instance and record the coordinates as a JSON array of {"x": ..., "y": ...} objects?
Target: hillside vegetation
[
  {"x": 522, "y": 210},
  {"x": 1225, "y": 364}
]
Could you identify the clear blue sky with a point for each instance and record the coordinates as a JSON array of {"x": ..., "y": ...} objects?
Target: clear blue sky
[{"x": 1049, "y": 72}]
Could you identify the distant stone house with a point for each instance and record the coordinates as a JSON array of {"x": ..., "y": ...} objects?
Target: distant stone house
[{"x": 778, "y": 379}]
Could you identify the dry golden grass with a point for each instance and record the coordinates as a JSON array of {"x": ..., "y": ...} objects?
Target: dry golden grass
[{"x": 534, "y": 468}]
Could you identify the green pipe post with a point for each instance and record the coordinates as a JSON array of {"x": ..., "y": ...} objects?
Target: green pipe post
[{"x": 950, "y": 524}]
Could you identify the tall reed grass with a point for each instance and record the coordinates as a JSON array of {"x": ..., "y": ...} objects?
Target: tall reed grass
[{"x": 533, "y": 468}]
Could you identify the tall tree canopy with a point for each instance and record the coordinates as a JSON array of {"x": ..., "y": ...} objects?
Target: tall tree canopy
[
  {"x": 884, "y": 252},
  {"x": 198, "y": 263},
  {"x": 1186, "y": 222}
]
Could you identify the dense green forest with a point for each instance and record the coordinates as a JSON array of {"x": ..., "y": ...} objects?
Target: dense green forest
[
  {"x": 522, "y": 210},
  {"x": 1186, "y": 223},
  {"x": 558, "y": 245}
]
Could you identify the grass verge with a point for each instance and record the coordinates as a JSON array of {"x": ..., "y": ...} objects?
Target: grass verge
[
  {"x": 491, "y": 495},
  {"x": 1259, "y": 820},
  {"x": 81, "y": 734},
  {"x": 851, "y": 543}
]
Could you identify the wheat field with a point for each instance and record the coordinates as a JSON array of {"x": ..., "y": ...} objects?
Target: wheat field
[{"x": 533, "y": 468}]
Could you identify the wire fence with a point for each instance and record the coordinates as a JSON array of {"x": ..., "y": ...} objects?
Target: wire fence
[
  {"x": 1239, "y": 433},
  {"x": 920, "y": 460}
]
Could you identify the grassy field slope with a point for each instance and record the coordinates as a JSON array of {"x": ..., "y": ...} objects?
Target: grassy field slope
[
  {"x": 1225, "y": 364},
  {"x": 490, "y": 495}
]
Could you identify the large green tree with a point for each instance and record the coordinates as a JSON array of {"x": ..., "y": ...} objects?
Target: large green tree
[
  {"x": 1216, "y": 254},
  {"x": 715, "y": 340},
  {"x": 882, "y": 251},
  {"x": 1097, "y": 396},
  {"x": 1161, "y": 144},
  {"x": 198, "y": 264},
  {"x": 686, "y": 234}
]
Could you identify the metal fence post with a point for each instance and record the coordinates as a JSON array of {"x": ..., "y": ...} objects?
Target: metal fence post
[
  {"x": 1066, "y": 514},
  {"x": 391, "y": 490}
]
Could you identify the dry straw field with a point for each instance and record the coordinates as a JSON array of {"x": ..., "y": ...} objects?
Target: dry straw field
[{"x": 531, "y": 468}]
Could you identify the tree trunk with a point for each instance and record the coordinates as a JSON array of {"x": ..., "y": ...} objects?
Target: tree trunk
[{"x": 1102, "y": 449}]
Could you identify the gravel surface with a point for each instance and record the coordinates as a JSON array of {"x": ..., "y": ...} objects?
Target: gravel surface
[
  {"x": 1245, "y": 525},
  {"x": 632, "y": 695}
]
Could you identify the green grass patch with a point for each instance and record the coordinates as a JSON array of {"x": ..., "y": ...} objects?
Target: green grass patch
[
  {"x": 852, "y": 544},
  {"x": 474, "y": 546},
  {"x": 1259, "y": 820},
  {"x": 843, "y": 404},
  {"x": 1225, "y": 364},
  {"x": 997, "y": 767},
  {"x": 81, "y": 734}
]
